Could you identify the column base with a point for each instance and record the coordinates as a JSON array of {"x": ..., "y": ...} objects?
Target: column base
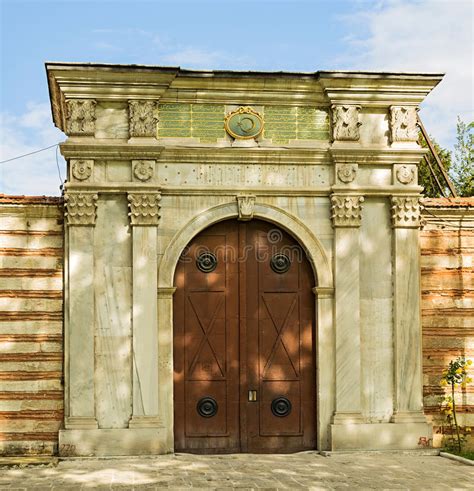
[
  {"x": 381, "y": 436},
  {"x": 80, "y": 422},
  {"x": 408, "y": 417},
  {"x": 110, "y": 442},
  {"x": 145, "y": 422}
]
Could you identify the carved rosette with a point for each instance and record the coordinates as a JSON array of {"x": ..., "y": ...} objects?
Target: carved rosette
[
  {"x": 346, "y": 210},
  {"x": 143, "y": 169},
  {"x": 81, "y": 208},
  {"x": 80, "y": 117},
  {"x": 346, "y": 122},
  {"x": 143, "y": 118},
  {"x": 81, "y": 169},
  {"x": 403, "y": 124},
  {"x": 144, "y": 208},
  {"x": 405, "y": 212},
  {"x": 405, "y": 174},
  {"x": 346, "y": 173},
  {"x": 246, "y": 205}
]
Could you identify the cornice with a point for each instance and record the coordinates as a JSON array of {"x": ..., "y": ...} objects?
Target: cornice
[
  {"x": 378, "y": 89},
  {"x": 376, "y": 155},
  {"x": 95, "y": 149}
]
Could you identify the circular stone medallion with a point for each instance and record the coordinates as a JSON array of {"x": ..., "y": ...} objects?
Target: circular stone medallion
[{"x": 243, "y": 123}]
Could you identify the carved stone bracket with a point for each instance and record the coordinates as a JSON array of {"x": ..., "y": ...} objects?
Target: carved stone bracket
[
  {"x": 144, "y": 208},
  {"x": 81, "y": 169},
  {"x": 403, "y": 124},
  {"x": 346, "y": 173},
  {"x": 143, "y": 118},
  {"x": 80, "y": 117},
  {"x": 346, "y": 210},
  {"x": 143, "y": 169},
  {"x": 346, "y": 122},
  {"x": 246, "y": 205},
  {"x": 405, "y": 212},
  {"x": 81, "y": 208}
]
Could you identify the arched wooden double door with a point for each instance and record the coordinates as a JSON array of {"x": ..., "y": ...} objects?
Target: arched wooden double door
[{"x": 244, "y": 367}]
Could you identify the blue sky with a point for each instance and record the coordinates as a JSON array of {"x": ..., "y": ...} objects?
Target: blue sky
[{"x": 299, "y": 35}]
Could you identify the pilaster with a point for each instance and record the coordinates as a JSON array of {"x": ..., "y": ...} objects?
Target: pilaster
[
  {"x": 346, "y": 217},
  {"x": 79, "y": 330},
  {"x": 144, "y": 217},
  {"x": 408, "y": 397}
]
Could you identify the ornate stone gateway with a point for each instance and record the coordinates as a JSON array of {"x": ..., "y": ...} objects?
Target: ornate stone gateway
[
  {"x": 244, "y": 367},
  {"x": 158, "y": 155}
]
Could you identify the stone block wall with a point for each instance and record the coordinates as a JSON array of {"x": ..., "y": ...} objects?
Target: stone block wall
[
  {"x": 447, "y": 282},
  {"x": 31, "y": 327},
  {"x": 31, "y": 339}
]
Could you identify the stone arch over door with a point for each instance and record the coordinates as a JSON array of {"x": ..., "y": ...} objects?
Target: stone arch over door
[{"x": 324, "y": 305}]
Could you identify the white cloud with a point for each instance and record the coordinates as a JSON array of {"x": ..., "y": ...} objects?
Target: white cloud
[
  {"x": 420, "y": 36},
  {"x": 20, "y": 134}
]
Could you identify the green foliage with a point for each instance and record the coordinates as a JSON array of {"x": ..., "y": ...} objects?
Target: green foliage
[
  {"x": 462, "y": 171},
  {"x": 425, "y": 177},
  {"x": 455, "y": 376}
]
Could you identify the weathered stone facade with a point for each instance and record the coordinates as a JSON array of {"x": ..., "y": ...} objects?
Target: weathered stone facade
[{"x": 151, "y": 165}]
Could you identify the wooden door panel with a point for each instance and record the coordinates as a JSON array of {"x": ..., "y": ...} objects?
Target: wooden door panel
[{"x": 246, "y": 324}]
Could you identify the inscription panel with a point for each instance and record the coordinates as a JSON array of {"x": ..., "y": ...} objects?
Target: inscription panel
[{"x": 243, "y": 175}]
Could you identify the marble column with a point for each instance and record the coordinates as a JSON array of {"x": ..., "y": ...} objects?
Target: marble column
[
  {"x": 408, "y": 397},
  {"x": 144, "y": 217},
  {"x": 346, "y": 217},
  {"x": 80, "y": 325}
]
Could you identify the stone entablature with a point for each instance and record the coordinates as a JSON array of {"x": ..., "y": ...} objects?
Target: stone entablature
[{"x": 151, "y": 165}]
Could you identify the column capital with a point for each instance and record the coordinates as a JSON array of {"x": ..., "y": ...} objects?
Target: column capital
[
  {"x": 346, "y": 210},
  {"x": 81, "y": 208},
  {"x": 165, "y": 292},
  {"x": 144, "y": 208},
  {"x": 323, "y": 291},
  {"x": 405, "y": 211}
]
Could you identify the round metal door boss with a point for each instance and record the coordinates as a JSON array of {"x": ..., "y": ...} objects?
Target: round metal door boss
[
  {"x": 244, "y": 123},
  {"x": 281, "y": 407},
  {"x": 207, "y": 407}
]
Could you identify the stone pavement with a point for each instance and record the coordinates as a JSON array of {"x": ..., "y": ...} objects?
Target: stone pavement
[{"x": 307, "y": 470}]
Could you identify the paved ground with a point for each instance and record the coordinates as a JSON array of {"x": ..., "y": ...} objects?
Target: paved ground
[{"x": 307, "y": 470}]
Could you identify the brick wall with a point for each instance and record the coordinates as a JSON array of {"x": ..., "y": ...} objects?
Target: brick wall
[
  {"x": 447, "y": 282},
  {"x": 31, "y": 359}
]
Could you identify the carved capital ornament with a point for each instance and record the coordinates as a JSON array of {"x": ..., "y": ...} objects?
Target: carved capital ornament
[
  {"x": 403, "y": 124},
  {"x": 143, "y": 118},
  {"x": 81, "y": 208},
  {"x": 346, "y": 210},
  {"x": 80, "y": 117},
  {"x": 144, "y": 208},
  {"x": 346, "y": 122},
  {"x": 405, "y": 212}
]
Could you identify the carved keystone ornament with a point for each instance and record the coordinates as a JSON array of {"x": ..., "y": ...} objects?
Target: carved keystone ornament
[{"x": 246, "y": 205}]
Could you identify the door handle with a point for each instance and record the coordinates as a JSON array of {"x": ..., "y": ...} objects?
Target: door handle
[{"x": 252, "y": 396}]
